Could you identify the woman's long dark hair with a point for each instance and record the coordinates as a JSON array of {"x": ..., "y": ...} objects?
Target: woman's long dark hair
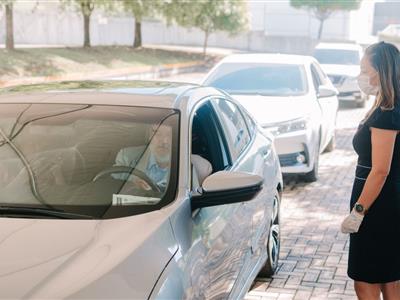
[{"x": 385, "y": 59}]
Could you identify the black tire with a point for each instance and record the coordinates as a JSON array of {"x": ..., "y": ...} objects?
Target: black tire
[
  {"x": 274, "y": 241},
  {"x": 361, "y": 104},
  {"x": 312, "y": 176}
]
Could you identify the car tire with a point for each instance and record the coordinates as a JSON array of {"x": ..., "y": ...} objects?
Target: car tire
[
  {"x": 274, "y": 241},
  {"x": 312, "y": 176},
  {"x": 361, "y": 104}
]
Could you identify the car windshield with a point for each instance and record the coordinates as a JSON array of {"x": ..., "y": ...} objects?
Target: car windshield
[
  {"x": 101, "y": 161},
  {"x": 260, "y": 79},
  {"x": 337, "y": 57}
]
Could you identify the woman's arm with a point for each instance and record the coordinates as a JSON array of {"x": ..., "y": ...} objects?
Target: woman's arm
[{"x": 382, "y": 141}]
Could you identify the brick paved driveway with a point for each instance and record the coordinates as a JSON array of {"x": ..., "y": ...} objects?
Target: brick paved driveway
[{"x": 313, "y": 258}]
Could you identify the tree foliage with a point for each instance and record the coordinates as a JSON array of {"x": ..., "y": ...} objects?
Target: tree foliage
[
  {"x": 323, "y": 9},
  {"x": 208, "y": 15}
]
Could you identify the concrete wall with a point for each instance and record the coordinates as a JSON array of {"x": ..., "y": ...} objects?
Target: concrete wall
[
  {"x": 275, "y": 27},
  {"x": 281, "y": 19}
]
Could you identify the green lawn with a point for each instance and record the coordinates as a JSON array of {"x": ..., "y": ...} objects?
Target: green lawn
[{"x": 33, "y": 62}]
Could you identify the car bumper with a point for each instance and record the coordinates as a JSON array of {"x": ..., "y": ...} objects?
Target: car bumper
[
  {"x": 349, "y": 91},
  {"x": 295, "y": 152},
  {"x": 350, "y": 96}
]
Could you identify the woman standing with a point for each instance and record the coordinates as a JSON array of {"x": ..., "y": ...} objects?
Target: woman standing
[{"x": 374, "y": 221}]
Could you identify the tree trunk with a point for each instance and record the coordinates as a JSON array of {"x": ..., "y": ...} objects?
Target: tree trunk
[
  {"x": 137, "y": 42},
  {"x": 9, "y": 27},
  {"x": 86, "y": 30},
  {"x": 205, "y": 43},
  {"x": 321, "y": 27}
]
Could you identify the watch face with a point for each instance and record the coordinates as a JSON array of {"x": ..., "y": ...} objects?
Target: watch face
[{"x": 359, "y": 207}]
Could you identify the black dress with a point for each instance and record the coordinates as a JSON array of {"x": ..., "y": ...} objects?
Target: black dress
[{"x": 374, "y": 254}]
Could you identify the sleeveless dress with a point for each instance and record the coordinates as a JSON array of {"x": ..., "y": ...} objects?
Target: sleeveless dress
[{"x": 374, "y": 252}]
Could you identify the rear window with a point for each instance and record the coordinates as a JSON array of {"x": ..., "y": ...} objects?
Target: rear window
[
  {"x": 100, "y": 161},
  {"x": 260, "y": 79},
  {"x": 337, "y": 56}
]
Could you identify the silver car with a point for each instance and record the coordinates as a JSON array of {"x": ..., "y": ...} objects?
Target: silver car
[{"x": 139, "y": 190}]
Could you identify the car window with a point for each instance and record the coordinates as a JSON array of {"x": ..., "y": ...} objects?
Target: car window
[
  {"x": 209, "y": 146},
  {"x": 233, "y": 125},
  {"x": 260, "y": 79},
  {"x": 337, "y": 56},
  {"x": 208, "y": 140},
  {"x": 323, "y": 78},
  {"x": 250, "y": 122},
  {"x": 91, "y": 159},
  {"x": 315, "y": 77}
]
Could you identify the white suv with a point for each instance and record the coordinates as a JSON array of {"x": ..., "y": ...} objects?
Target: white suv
[{"x": 341, "y": 62}]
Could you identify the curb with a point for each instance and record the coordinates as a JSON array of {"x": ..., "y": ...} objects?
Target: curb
[
  {"x": 160, "y": 72},
  {"x": 134, "y": 73}
]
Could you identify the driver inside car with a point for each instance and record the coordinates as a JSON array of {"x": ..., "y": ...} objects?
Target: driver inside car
[{"x": 153, "y": 159}]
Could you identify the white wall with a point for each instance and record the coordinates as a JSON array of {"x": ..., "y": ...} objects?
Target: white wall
[
  {"x": 361, "y": 22},
  {"x": 284, "y": 20},
  {"x": 275, "y": 27}
]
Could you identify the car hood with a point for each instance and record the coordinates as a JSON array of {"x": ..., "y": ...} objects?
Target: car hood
[
  {"x": 347, "y": 70},
  {"x": 55, "y": 259},
  {"x": 271, "y": 109}
]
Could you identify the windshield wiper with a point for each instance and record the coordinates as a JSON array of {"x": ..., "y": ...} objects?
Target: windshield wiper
[{"x": 15, "y": 211}]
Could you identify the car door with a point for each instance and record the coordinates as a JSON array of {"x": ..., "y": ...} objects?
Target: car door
[
  {"x": 213, "y": 240},
  {"x": 250, "y": 153},
  {"x": 328, "y": 105}
]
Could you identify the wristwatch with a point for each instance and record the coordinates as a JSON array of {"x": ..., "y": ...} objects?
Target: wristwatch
[{"x": 360, "y": 208}]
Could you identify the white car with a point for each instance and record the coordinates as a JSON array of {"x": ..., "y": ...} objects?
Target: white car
[
  {"x": 341, "y": 62},
  {"x": 291, "y": 97},
  {"x": 134, "y": 190},
  {"x": 390, "y": 34}
]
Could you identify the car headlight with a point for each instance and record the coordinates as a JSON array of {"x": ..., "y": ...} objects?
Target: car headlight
[{"x": 286, "y": 127}]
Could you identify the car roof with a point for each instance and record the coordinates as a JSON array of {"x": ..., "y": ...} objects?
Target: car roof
[
  {"x": 275, "y": 58},
  {"x": 338, "y": 46},
  {"x": 134, "y": 93}
]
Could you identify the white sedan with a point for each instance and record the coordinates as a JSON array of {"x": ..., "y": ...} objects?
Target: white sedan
[
  {"x": 291, "y": 97},
  {"x": 341, "y": 62}
]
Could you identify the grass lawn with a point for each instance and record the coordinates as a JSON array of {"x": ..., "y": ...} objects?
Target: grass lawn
[{"x": 32, "y": 62}]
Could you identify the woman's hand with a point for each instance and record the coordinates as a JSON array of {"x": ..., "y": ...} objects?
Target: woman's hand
[{"x": 352, "y": 222}]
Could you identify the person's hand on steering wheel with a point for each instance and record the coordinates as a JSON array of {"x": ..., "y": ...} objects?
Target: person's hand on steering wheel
[
  {"x": 137, "y": 177},
  {"x": 139, "y": 183}
]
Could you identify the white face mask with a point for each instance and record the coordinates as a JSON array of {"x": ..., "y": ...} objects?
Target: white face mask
[{"x": 365, "y": 86}]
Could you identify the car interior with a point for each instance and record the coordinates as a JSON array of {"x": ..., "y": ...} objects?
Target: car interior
[
  {"x": 66, "y": 157},
  {"x": 209, "y": 153}
]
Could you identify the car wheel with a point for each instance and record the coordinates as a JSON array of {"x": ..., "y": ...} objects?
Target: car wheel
[
  {"x": 361, "y": 104},
  {"x": 274, "y": 241},
  {"x": 312, "y": 176}
]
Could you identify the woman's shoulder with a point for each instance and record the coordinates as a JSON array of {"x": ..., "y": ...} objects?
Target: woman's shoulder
[{"x": 385, "y": 118}]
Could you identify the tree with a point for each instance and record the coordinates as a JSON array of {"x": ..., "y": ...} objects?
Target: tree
[
  {"x": 86, "y": 8},
  {"x": 323, "y": 9},
  {"x": 208, "y": 15},
  {"x": 140, "y": 9},
  {"x": 8, "y": 5}
]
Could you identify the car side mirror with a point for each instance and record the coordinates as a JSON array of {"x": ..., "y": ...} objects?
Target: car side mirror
[
  {"x": 326, "y": 91},
  {"x": 225, "y": 187}
]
